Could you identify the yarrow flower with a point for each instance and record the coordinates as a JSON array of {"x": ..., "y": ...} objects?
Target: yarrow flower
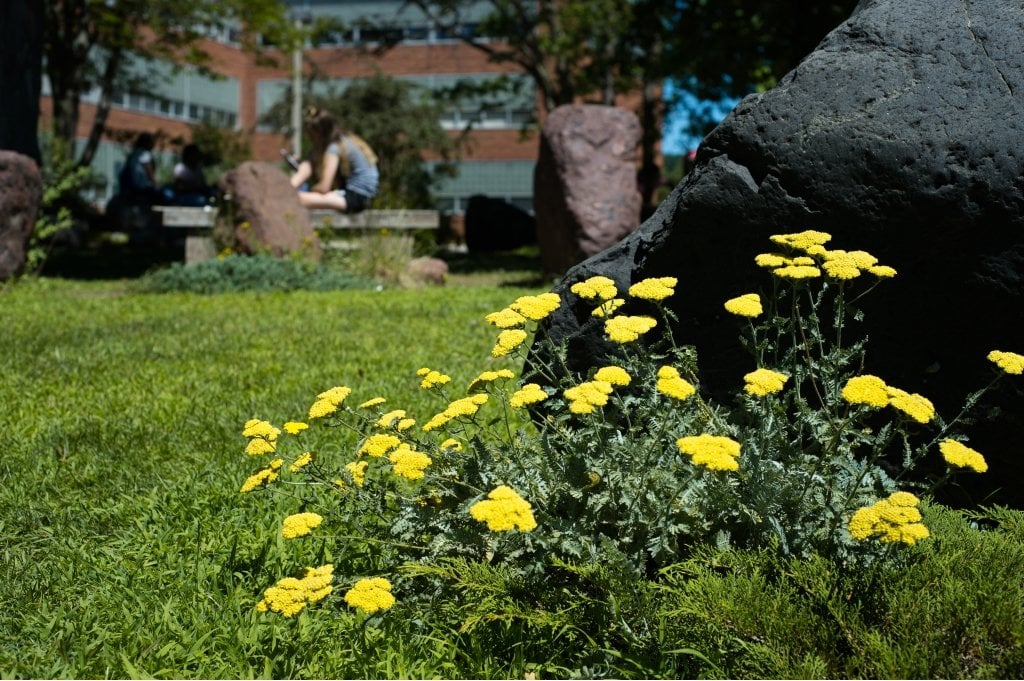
[
  {"x": 432, "y": 378},
  {"x": 913, "y": 405},
  {"x": 595, "y": 287},
  {"x": 263, "y": 429},
  {"x": 867, "y": 389},
  {"x": 328, "y": 402},
  {"x": 409, "y": 463},
  {"x": 764, "y": 382},
  {"x": 467, "y": 406},
  {"x": 505, "y": 319},
  {"x": 802, "y": 241},
  {"x": 613, "y": 374},
  {"x": 370, "y": 595},
  {"x": 258, "y": 446},
  {"x": 504, "y": 510},
  {"x": 608, "y": 307},
  {"x": 672, "y": 384},
  {"x": 404, "y": 425},
  {"x": 373, "y": 402},
  {"x": 290, "y": 595},
  {"x": 797, "y": 272},
  {"x": 748, "y": 305},
  {"x": 536, "y": 308},
  {"x": 357, "y": 469},
  {"x": 295, "y": 427},
  {"x": 715, "y": 452},
  {"x": 586, "y": 397},
  {"x": 840, "y": 265},
  {"x": 531, "y": 393},
  {"x": 304, "y": 460},
  {"x": 300, "y": 524},
  {"x": 771, "y": 260},
  {"x": 378, "y": 444},
  {"x": 489, "y": 377},
  {"x": 655, "y": 288},
  {"x": 508, "y": 340},
  {"x": 624, "y": 329},
  {"x": 1010, "y": 362},
  {"x": 893, "y": 520},
  {"x": 388, "y": 419},
  {"x": 882, "y": 271},
  {"x": 452, "y": 445},
  {"x": 960, "y": 455},
  {"x": 263, "y": 477}
]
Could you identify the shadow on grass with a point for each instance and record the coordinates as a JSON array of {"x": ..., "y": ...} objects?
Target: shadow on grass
[
  {"x": 108, "y": 261},
  {"x": 520, "y": 268}
]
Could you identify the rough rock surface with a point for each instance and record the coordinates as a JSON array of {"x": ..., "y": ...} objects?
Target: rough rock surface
[
  {"x": 493, "y": 224},
  {"x": 902, "y": 134},
  {"x": 267, "y": 214},
  {"x": 20, "y": 192},
  {"x": 425, "y": 270},
  {"x": 584, "y": 189}
]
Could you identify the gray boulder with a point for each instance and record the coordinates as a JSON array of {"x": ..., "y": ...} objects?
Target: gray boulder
[
  {"x": 20, "y": 193},
  {"x": 585, "y": 193},
  {"x": 902, "y": 134}
]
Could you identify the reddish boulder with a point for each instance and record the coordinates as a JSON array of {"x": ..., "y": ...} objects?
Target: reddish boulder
[
  {"x": 584, "y": 190},
  {"x": 20, "y": 192},
  {"x": 267, "y": 215}
]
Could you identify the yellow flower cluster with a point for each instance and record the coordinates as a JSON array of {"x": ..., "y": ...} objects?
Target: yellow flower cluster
[
  {"x": 408, "y": 463},
  {"x": 388, "y": 419},
  {"x": 598, "y": 287},
  {"x": 715, "y": 452},
  {"x": 960, "y": 455},
  {"x": 263, "y": 477},
  {"x": 290, "y": 595},
  {"x": 300, "y": 524},
  {"x": 328, "y": 402},
  {"x": 536, "y": 308},
  {"x": 892, "y": 520},
  {"x": 872, "y": 391},
  {"x": 378, "y": 444},
  {"x": 748, "y": 305},
  {"x": 304, "y": 460},
  {"x": 489, "y": 377},
  {"x": 295, "y": 427},
  {"x": 837, "y": 264},
  {"x": 432, "y": 378},
  {"x": 505, "y": 319},
  {"x": 625, "y": 329},
  {"x": 451, "y": 444},
  {"x": 372, "y": 402},
  {"x": 1010, "y": 362},
  {"x": 357, "y": 469},
  {"x": 608, "y": 307},
  {"x": 370, "y": 595},
  {"x": 531, "y": 393},
  {"x": 508, "y": 340},
  {"x": 586, "y": 397},
  {"x": 655, "y": 288},
  {"x": 613, "y": 374},
  {"x": 467, "y": 406},
  {"x": 764, "y": 382},
  {"x": 503, "y": 511},
  {"x": 802, "y": 241},
  {"x": 672, "y": 384},
  {"x": 264, "y": 437},
  {"x": 797, "y": 272}
]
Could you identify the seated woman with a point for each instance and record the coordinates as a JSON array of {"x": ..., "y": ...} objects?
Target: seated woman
[{"x": 343, "y": 168}]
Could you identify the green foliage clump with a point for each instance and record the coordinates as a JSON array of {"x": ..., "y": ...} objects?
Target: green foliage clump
[
  {"x": 630, "y": 466},
  {"x": 249, "y": 273}
]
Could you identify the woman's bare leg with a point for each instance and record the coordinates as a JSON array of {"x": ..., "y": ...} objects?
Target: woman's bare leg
[{"x": 332, "y": 200}]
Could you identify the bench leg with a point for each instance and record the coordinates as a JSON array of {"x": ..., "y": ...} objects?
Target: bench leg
[{"x": 199, "y": 249}]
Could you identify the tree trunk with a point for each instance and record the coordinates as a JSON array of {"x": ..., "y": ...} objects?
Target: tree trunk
[
  {"x": 21, "y": 65},
  {"x": 99, "y": 122}
]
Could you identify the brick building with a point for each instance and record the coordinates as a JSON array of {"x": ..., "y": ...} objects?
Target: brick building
[{"x": 498, "y": 163}]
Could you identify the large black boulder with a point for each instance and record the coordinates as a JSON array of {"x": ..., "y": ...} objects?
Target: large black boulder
[{"x": 902, "y": 134}]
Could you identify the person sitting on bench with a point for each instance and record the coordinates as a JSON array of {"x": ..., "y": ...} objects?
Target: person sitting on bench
[{"x": 343, "y": 167}]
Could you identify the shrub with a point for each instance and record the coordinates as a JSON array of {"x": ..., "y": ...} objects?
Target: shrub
[
  {"x": 249, "y": 273},
  {"x": 632, "y": 467}
]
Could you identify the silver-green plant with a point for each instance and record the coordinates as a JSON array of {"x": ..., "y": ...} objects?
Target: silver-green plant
[{"x": 633, "y": 463}]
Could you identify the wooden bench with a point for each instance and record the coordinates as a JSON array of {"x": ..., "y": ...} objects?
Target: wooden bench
[{"x": 198, "y": 224}]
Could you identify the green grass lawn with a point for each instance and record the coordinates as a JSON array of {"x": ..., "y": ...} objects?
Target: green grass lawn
[{"x": 127, "y": 550}]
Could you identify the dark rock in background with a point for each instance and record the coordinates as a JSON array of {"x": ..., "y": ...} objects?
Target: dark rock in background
[
  {"x": 585, "y": 192},
  {"x": 21, "y": 189},
  {"x": 267, "y": 214},
  {"x": 902, "y": 134},
  {"x": 492, "y": 225}
]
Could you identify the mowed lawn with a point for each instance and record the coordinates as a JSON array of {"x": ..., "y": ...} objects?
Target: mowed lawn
[{"x": 126, "y": 547}]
